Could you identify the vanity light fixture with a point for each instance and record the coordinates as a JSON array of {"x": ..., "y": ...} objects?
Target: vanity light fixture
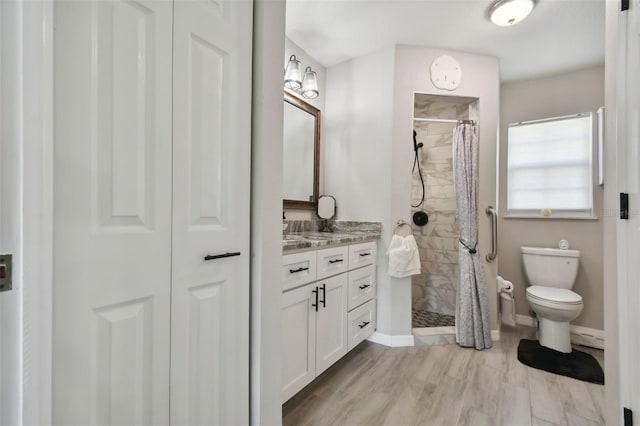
[
  {"x": 508, "y": 12},
  {"x": 306, "y": 85}
]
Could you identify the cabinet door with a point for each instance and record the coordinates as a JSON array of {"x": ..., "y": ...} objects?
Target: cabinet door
[
  {"x": 112, "y": 212},
  {"x": 331, "y": 321},
  {"x": 298, "y": 339},
  {"x": 211, "y": 176}
]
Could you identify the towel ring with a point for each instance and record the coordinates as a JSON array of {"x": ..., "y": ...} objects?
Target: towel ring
[{"x": 399, "y": 226}]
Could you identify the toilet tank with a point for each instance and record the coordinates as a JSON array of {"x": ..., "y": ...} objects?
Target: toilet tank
[{"x": 550, "y": 267}]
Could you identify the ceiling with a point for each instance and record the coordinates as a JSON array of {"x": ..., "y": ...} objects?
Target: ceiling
[{"x": 558, "y": 36}]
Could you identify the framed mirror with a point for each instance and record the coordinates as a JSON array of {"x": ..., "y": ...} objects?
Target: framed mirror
[{"x": 301, "y": 154}]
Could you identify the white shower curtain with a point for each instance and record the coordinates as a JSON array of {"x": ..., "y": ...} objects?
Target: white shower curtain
[{"x": 472, "y": 310}]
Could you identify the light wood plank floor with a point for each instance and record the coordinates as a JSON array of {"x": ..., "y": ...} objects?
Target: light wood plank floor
[{"x": 445, "y": 385}]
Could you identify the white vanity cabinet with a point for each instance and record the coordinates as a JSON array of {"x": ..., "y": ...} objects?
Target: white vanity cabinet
[{"x": 325, "y": 315}]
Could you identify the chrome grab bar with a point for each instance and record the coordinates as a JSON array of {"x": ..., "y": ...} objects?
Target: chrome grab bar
[{"x": 494, "y": 233}]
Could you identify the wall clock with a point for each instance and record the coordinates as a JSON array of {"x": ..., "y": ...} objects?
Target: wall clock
[{"x": 446, "y": 73}]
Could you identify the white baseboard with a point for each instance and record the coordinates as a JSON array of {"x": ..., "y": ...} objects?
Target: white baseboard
[
  {"x": 579, "y": 335},
  {"x": 495, "y": 335},
  {"x": 526, "y": 320},
  {"x": 393, "y": 341}
]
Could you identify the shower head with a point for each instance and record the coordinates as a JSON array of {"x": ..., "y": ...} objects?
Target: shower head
[{"x": 416, "y": 145}]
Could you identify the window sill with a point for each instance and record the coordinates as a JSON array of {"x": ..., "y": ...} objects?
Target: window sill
[{"x": 552, "y": 217}]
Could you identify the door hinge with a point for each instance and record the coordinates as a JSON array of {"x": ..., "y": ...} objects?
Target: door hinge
[
  {"x": 624, "y": 205},
  {"x": 628, "y": 417},
  {"x": 624, "y": 5},
  {"x": 5, "y": 272}
]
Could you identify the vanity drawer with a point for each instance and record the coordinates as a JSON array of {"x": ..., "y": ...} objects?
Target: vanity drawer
[
  {"x": 361, "y": 323},
  {"x": 298, "y": 269},
  {"x": 332, "y": 261},
  {"x": 362, "y": 254},
  {"x": 362, "y": 285}
]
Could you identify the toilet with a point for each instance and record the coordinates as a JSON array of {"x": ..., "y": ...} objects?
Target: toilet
[{"x": 551, "y": 273}]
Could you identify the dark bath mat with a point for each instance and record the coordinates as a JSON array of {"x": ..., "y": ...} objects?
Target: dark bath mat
[{"x": 577, "y": 364}]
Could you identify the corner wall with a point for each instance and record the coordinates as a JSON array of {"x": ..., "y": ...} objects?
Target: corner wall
[
  {"x": 356, "y": 154},
  {"x": 480, "y": 79},
  {"x": 367, "y": 152},
  {"x": 564, "y": 94}
]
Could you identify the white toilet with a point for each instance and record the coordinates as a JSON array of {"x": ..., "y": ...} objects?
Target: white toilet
[{"x": 551, "y": 274}]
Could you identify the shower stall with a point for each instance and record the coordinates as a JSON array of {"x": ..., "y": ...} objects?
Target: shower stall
[{"x": 433, "y": 192}]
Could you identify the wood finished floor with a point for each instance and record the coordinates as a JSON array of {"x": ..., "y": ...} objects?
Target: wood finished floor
[{"x": 445, "y": 385}]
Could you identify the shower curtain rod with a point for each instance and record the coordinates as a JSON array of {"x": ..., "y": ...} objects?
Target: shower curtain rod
[{"x": 444, "y": 120}]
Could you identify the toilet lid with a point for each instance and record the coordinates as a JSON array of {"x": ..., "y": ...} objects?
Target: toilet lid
[{"x": 554, "y": 294}]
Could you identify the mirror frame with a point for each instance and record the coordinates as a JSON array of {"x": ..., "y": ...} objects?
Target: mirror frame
[{"x": 310, "y": 109}]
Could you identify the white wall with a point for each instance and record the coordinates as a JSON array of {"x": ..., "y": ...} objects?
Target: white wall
[
  {"x": 266, "y": 205},
  {"x": 368, "y": 152},
  {"x": 611, "y": 361},
  {"x": 290, "y": 48},
  {"x": 357, "y": 150}
]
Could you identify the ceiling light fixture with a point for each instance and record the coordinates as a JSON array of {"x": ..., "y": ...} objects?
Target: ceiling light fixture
[
  {"x": 508, "y": 12},
  {"x": 306, "y": 85}
]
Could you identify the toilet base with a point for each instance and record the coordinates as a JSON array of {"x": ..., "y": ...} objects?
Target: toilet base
[{"x": 554, "y": 334}]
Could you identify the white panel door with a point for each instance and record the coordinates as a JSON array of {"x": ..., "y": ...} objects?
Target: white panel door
[
  {"x": 298, "y": 339},
  {"x": 629, "y": 230},
  {"x": 211, "y": 176},
  {"x": 112, "y": 212},
  {"x": 331, "y": 321}
]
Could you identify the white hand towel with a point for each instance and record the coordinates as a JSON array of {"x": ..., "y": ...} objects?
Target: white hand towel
[{"x": 404, "y": 259}]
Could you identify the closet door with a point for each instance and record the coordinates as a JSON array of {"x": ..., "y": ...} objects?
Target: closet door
[
  {"x": 112, "y": 212},
  {"x": 211, "y": 158}
]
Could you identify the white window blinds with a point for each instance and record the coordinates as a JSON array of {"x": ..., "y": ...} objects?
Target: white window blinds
[{"x": 549, "y": 165}]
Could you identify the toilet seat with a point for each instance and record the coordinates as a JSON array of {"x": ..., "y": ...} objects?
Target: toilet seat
[{"x": 559, "y": 298}]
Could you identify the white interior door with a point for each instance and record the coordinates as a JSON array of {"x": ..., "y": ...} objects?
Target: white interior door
[
  {"x": 629, "y": 231},
  {"x": 211, "y": 158},
  {"x": 112, "y": 212}
]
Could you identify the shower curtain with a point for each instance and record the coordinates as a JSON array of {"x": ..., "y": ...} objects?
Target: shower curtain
[{"x": 472, "y": 310}]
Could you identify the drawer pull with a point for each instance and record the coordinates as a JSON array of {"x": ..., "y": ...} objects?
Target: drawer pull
[
  {"x": 295, "y": 271},
  {"x": 220, "y": 256},
  {"x": 335, "y": 261},
  {"x": 364, "y": 324},
  {"x": 365, "y": 254},
  {"x": 362, "y": 287},
  {"x": 315, "y": 291},
  {"x": 324, "y": 295}
]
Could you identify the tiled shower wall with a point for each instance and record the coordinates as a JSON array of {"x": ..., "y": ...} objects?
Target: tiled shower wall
[{"x": 435, "y": 288}]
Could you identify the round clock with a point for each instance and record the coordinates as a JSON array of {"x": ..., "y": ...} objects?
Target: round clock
[{"x": 446, "y": 73}]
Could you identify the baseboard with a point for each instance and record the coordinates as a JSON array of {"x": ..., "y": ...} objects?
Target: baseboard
[
  {"x": 495, "y": 335},
  {"x": 526, "y": 320},
  {"x": 393, "y": 341},
  {"x": 587, "y": 336},
  {"x": 579, "y": 335}
]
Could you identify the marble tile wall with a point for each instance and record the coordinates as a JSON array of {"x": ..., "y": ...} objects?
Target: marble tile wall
[{"x": 435, "y": 288}]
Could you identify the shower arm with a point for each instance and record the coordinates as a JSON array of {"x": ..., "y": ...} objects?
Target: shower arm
[{"x": 494, "y": 234}]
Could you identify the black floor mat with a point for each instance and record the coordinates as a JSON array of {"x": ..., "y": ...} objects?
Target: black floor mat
[{"x": 577, "y": 364}]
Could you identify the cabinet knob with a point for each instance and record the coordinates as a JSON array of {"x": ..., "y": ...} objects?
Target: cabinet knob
[{"x": 364, "y": 324}]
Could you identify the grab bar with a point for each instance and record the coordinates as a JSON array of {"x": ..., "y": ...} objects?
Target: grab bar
[{"x": 494, "y": 233}]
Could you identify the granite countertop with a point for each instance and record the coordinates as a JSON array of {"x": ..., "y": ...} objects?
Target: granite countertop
[{"x": 307, "y": 236}]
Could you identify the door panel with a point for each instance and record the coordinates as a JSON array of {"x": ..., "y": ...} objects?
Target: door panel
[
  {"x": 112, "y": 212},
  {"x": 298, "y": 340},
  {"x": 211, "y": 163},
  {"x": 331, "y": 322}
]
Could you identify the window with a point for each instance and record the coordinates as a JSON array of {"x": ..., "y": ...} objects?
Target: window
[{"x": 549, "y": 167}]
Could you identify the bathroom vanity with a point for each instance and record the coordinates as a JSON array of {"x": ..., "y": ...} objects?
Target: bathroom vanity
[{"x": 329, "y": 299}]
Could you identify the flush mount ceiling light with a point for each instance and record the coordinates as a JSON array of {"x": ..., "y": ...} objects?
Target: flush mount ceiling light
[
  {"x": 508, "y": 12},
  {"x": 306, "y": 85}
]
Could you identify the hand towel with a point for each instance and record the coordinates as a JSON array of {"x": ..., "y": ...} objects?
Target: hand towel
[{"x": 404, "y": 259}]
